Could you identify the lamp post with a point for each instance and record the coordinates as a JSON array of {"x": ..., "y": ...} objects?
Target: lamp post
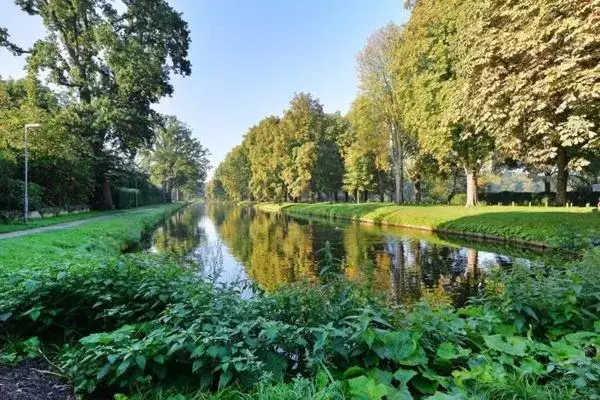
[{"x": 26, "y": 202}]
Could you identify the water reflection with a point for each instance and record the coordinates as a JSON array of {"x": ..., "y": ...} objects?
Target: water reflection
[{"x": 271, "y": 249}]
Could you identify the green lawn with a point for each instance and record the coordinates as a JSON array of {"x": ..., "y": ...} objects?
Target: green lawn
[
  {"x": 96, "y": 240},
  {"x": 552, "y": 227},
  {"x": 40, "y": 222}
]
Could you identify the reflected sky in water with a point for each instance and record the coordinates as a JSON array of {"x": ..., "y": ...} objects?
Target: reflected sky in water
[{"x": 239, "y": 243}]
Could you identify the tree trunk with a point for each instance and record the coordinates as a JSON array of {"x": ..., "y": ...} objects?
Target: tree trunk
[
  {"x": 357, "y": 196},
  {"x": 399, "y": 181},
  {"x": 365, "y": 196},
  {"x": 380, "y": 184},
  {"x": 346, "y": 197},
  {"x": 417, "y": 185},
  {"x": 107, "y": 203},
  {"x": 335, "y": 196},
  {"x": 453, "y": 191},
  {"x": 471, "y": 187},
  {"x": 547, "y": 183},
  {"x": 562, "y": 177}
]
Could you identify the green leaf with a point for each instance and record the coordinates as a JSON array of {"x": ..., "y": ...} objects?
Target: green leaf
[
  {"x": 123, "y": 367},
  {"x": 140, "y": 360},
  {"x": 404, "y": 375},
  {"x": 353, "y": 372},
  {"x": 197, "y": 365},
  {"x": 513, "y": 345},
  {"x": 104, "y": 371},
  {"x": 450, "y": 351},
  {"x": 363, "y": 388}
]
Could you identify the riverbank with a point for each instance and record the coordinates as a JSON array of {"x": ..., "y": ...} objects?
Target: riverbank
[
  {"x": 566, "y": 228},
  {"x": 101, "y": 239}
]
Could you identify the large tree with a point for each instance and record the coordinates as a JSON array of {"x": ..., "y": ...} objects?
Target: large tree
[
  {"x": 367, "y": 158},
  {"x": 426, "y": 64},
  {"x": 380, "y": 83},
  {"x": 267, "y": 154},
  {"x": 532, "y": 79},
  {"x": 303, "y": 128},
  {"x": 115, "y": 61}
]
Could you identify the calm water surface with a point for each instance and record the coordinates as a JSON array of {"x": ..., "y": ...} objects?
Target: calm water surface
[{"x": 234, "y": 243}]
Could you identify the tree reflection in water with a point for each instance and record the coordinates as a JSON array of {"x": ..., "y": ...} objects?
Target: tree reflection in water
[{"x": 274, "y": 249}]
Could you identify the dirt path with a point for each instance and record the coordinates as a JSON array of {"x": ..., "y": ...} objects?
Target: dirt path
[
  {"x": 64, "y": 225},
  {"x": 30, "y": 380}
]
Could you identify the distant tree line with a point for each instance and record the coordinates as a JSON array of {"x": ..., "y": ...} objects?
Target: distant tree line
[
  {"x": 103, "y": 68},
  {"x": 465, "y": 87}
]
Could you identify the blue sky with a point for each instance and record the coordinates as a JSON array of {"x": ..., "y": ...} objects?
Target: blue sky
[{"x": 250, "y": 56}]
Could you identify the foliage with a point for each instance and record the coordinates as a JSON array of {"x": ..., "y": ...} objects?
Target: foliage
[
  {"x": 176, "y": 160},
  {"x": 114, "y": 63},
  {"x": 530, "y": 79},
  {"x": 173, "y": 327}
]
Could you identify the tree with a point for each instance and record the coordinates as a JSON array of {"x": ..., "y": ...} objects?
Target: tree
[
  {"x": 303, "y": 127},
  {"x": 531, "y": 78},
  {"x": 115, "y": 61},
  {"x": 367, "y": 158},
  {"x": 426, "y": 64},
  {"x": 234, "y": 174},
  {"x": 266, "y": 153},
  {"x": 329, "y": 174},
  {"x": 58, "y": 160},
  {"x": 380, "y": 84},
  {"x": 176, "y": 160}
]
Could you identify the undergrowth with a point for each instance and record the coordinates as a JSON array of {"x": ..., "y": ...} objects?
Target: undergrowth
[{"x": 141, "y": 327}]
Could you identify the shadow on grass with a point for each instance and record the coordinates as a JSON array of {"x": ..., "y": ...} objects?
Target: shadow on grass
[{"x": 558, "y": 229}]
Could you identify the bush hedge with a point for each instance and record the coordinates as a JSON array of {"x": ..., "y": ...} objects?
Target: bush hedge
[{"x": 580, "y": 199}]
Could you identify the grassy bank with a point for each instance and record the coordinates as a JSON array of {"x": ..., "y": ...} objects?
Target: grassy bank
[
  {"x": 96, "y": 240},
  {"x": 539, "y": 226},
  {"x": 41, "y": 222}
]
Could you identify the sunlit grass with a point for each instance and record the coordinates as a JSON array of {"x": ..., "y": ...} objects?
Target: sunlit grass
[
  {"x": 554, "y": 227},
  {"x": 95, "y": 240}
]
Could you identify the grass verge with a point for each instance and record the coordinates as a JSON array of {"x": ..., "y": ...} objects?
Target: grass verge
[
  {"x": 41, "y": 222},
  {"x": 569, "y": 228},
  {"x": 79, "y": 244}
]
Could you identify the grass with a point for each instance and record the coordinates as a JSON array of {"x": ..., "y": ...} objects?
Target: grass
[
  {"x": 41, "y": 222},
  {"x": 540, "y": 226},
  {"x": 96, "y": 240}
]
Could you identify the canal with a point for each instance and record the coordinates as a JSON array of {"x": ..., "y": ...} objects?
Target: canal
[{"x": 238, "y": 244}]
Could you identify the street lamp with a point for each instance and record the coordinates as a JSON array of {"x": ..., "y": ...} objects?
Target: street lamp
[{"x": 26, "y": 205}]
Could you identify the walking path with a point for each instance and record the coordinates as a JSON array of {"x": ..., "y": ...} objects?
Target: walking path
[{"x": 65, "y": 225}]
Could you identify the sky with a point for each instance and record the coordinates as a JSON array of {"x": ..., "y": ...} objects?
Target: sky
[{"x": 249, "y": 57}]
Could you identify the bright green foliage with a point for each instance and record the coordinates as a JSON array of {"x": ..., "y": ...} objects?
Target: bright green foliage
[
  {"x": 116, "y": 61},
  {"x": 172, "y": 325},
  {"x": 297, "y": 156},
  {"x": 427, "y": 63},
  {"x": 367, "y": 156},
  {"x": 266, "y": 153},
  {"x": 58, "y": 162},
  {"x": 530, "y": 78},
  {"x": 303, "y": 129},
  {"x": 176, "y": 161},
  {"x": 234, "y": 174}
]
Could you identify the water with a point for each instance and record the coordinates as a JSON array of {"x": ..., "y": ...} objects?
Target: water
[{"x": 236, "y": 244}]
